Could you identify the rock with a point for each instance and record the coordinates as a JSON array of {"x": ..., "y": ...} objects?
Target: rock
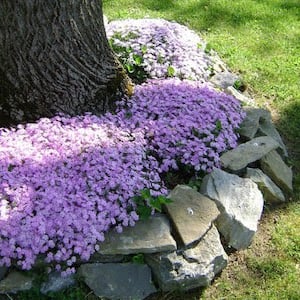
[
  {"x": 247, "y": 153},
  {"x": 239, "y": 96},
  {"x": 224, "y": 79},
  {"x": 216, "y": 62},
  {"x": 266, "y": 127},
  {"x": 250, "y": 124},
  {"x": 118, "y": 281},
  {"x": 258, "y": 122},
  {"x": 147, "y": 236},
  {"x": 189, "y": 268},
  {"x": 3, "y": 271},
  {"x": 240, "y": 203},
  {"x": 15, "y": 282},
  {"x": 191, "y": 213},
  {"x": 101, "y": 258},
  {"x": 270, "y": 190},
  {"x": 56, "y": 283},
  {"x": 273, "y": 165}
]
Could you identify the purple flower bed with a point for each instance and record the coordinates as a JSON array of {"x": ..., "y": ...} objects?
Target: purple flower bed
[
  {"x": 156, "y": 48},
  {"x": 184, "y": 122},
  {"x": 65, "y": 181}
]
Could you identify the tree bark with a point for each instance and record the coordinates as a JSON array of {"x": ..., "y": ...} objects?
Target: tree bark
[{"x": 55, "y": 57}]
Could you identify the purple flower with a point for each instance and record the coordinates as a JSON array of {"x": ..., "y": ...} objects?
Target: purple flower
[
  {"x": 156, "y": 48},
  {"x": 65, "y": 181}
]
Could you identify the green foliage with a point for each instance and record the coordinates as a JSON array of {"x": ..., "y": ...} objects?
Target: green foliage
[
  {"x": 171, "y": 71},
  {"x": 239, "y": 85},
  {"x": 138, "y": 259},
  {"x": 146, "y": 203},
  {"x": 132, "y": 62},
  {"x": 195, "y": 183}
]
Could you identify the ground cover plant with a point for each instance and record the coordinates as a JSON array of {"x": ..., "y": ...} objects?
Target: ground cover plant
[
  {"x": 66, "y": 180},
  {"x": 156, "y": 48},
  {"x": 260, "y": 41}
]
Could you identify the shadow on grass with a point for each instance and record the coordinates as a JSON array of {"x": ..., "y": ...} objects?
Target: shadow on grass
[
  {"x": 289, "y": 125},
  {"x": 218, "y": 14}
]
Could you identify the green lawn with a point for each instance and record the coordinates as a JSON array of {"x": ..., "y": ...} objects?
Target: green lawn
[{"x": 260, "y": 40}]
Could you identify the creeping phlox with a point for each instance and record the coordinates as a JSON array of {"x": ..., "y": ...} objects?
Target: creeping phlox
[
  {"x": 65, "y": 181},
  {"x": 156, "y": 48},
  {"x": 184, "y": 122}
]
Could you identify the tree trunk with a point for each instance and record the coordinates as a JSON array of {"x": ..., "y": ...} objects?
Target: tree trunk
[{"x": 55, "y": 57}]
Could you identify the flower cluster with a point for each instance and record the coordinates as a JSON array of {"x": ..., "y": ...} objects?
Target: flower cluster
[
  {"x": 156, "y": 48},
  {"x": 184, "y": 122},
  {"x": 64, "y": 182}
]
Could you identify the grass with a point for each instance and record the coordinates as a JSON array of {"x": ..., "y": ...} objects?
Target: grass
[
  {"x": 270, "y": 268},
  {"x": 260, "y": 40}
]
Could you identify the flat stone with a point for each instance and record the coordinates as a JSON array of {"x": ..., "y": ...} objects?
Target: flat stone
[
  {"x": 240, "y": 203},
  {"x": 118, "y": 281},
  {"x": 266, "y": 127},
  {"x": 224, "y": 79},
  {"x": 247, "y": 153},
  {"x": 192, "y": 213},
  {"x": 190, "y": 268},
  {"x": 101, "y": 258},
  {"x": 239, "y": 96},
  {"x": 273, "y": 165},
  {"x": 258, "y": 122},
  {"x": 250, "y": 124},
  {"x": 15, "y": 282},
  {"x": 57, "y": 283},
  {"x": 218, "y": 65},
  {"x": 147, "y": 236},
  {"x": 272, "y": 193}
]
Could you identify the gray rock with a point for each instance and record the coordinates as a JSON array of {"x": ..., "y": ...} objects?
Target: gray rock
[
  {"x": 272, "y": 193},
  {"x": 118, "y": 281},
  {"x": 216, "y": 62},
  {"x": 224, "y": 79},
  {"x": 273, "y": 165},
  {"x": 192, "y": 213},
  {"x": 101, "y": 258},
  {"x": 147, "y": 236},
  {"x": 191, "y": 268},
  {"x": 15, "y": 282},
  {"x": 56, "y": 283},
  {"x": 266, "y": 127},
  {"x": 239, "y": 96},
  {"x": 247, "y": 153},
  {"x": 240, "y": 203},
  {"x": 251, "y": 123},
  {"x": 3, "y": 271},
  {"x": 258, "y": 122}
]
